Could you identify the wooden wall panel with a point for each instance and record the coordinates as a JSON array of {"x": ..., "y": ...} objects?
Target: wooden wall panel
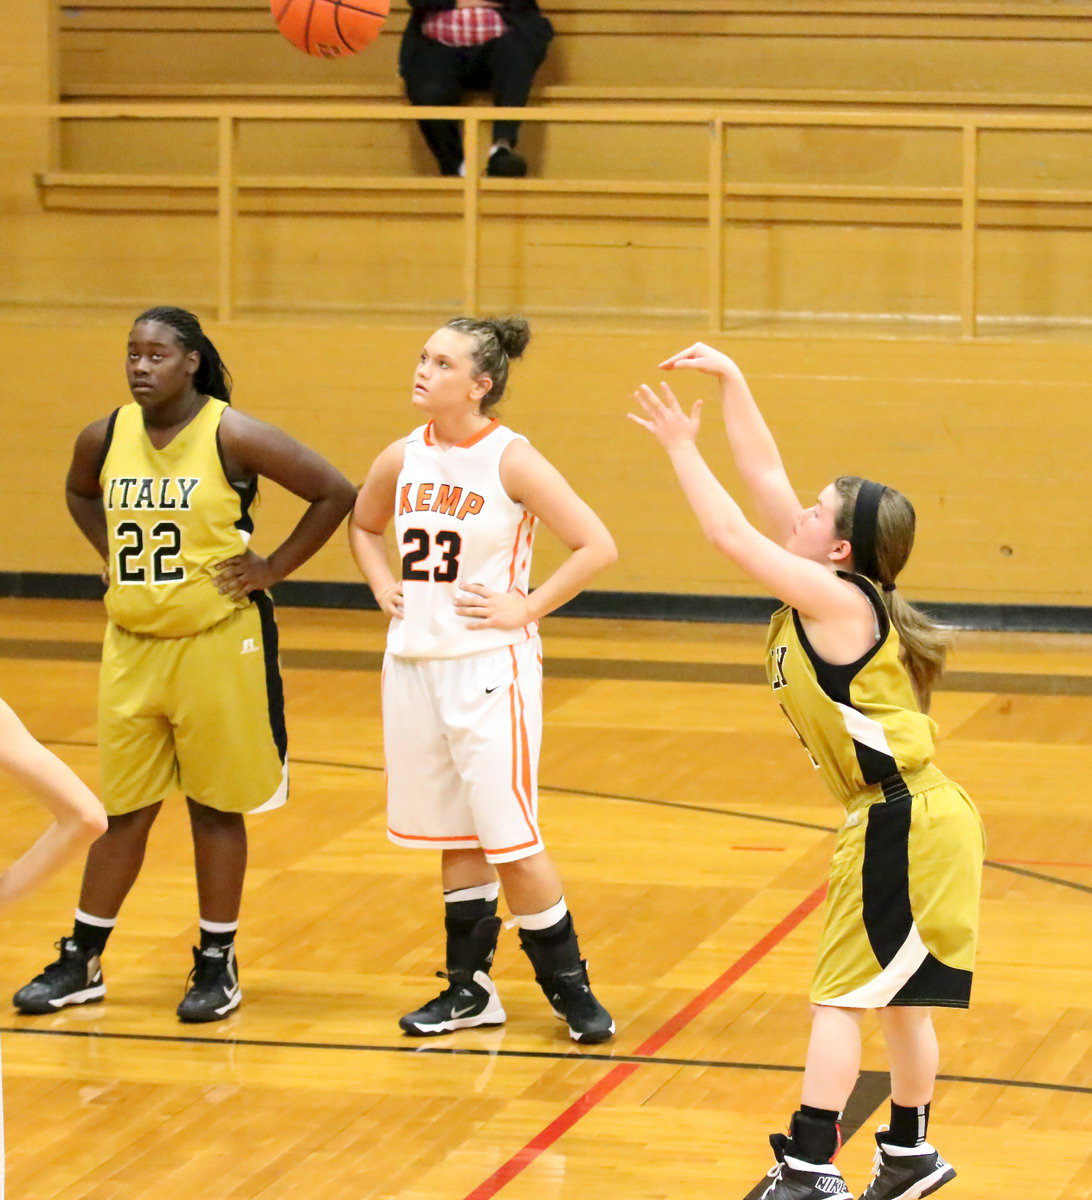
[
  {"x": 780, "y": 260},
  {"x": 1020, "y": 48},
  {"x": 960, "y": 427}
]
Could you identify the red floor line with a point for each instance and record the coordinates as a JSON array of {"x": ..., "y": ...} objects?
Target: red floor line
[{"x": 617, "y": 1075}]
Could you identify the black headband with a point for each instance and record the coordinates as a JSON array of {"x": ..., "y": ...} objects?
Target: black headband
[{"x": 865, "y": 520}]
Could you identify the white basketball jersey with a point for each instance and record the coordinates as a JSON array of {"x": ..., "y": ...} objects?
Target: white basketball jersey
[{"x": 455, "y": 524}]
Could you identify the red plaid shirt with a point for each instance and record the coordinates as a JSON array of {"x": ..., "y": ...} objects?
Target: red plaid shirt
[{"x": 464, "y": 26}]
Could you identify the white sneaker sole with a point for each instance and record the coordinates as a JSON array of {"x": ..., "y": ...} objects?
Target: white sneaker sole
[
  {"x": 583, "y": 1038},
  {"x": 928, "y": 1185},
  {"x": 87, "y": 996},
  {"x": 495, "y": 1016}
]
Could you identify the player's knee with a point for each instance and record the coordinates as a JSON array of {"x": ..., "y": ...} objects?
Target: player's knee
[{"x": 201, "y": 815}]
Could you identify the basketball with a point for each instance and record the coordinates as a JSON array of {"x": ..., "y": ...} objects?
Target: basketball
[{"x": 330, "y": 28}]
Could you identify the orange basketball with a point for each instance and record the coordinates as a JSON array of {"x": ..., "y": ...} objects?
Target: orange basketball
[{"x": 330, "y": 28}]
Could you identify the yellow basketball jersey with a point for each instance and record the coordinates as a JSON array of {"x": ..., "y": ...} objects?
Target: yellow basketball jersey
[
  {"x": 171, "y": 516},
  {"x": 860, "y": 723}
]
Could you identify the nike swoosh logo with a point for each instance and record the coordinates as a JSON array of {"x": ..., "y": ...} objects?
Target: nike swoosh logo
[
  {"x": 456, "y": 1013},
  {"x": 490, "y": 691}
]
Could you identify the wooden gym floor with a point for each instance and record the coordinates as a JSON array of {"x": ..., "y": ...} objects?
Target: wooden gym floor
[{"x": 694, "y": 840}]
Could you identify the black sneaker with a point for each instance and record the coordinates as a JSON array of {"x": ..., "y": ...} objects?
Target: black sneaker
[
  {"x": 795, "y": 1179},
  {"x": 905, "y": 1173},
  {"x": 563, "y": 976},
  {"x": 468, "y": 1000},
  {"x": 213, "y": 986},
  {"x": 507, "y": 163},
  {"x": 75, "y": 978},
  {"x": 573, "y": 1002}
]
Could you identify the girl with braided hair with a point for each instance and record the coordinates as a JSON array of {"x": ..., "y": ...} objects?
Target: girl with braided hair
[
  {"x": 852, "y": 665},
  {"x": 190, "y": 691},
  {"x": 462, "y": 677}
]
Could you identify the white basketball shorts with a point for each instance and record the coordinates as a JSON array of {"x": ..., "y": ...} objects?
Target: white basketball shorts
[{"x": 462, "y": 739}]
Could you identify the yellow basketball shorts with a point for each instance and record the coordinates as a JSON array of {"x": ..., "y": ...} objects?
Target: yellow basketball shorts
[
  {"x": 461, "y": 739},
  {"x": 203, "y": 714},
  {"x": 902, "y": 911}
]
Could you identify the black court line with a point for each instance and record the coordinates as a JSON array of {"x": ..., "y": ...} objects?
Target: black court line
[
  {"x": 680, "y": 805},
  {"x": 568, "y": 1055},
  {"x": 653, "y": 670}
]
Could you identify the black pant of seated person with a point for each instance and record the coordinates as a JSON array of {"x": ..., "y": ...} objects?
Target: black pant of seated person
[{"x": 441, "y": 75}]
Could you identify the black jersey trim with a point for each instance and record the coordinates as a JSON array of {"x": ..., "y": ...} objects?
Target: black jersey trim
[
  {"x": 274, "y": 687},
  {"x": 245, "y": 491},
  {"x": 835, "y": 679},
  {"x": 108, "y": 441},
  {"x": 935, "y": 985},
  {"x": 885, "y": 878}
]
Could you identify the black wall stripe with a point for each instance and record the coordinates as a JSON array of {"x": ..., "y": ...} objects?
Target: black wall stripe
[{"x": 615, "y": 606}]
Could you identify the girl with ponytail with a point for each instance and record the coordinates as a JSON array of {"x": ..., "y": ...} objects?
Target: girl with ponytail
[
  {"x": 852, "y": 666},
  {"x": 190, "y": 692},
  {"x": 462, "y": 677}
]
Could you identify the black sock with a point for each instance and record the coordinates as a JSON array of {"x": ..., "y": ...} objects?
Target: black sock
[
  {"x": 472, "y": 928},
  {"x": 210, "y": 937},
  {"x": 553, "y": 935},
  {"x": 815, "y": 1133},
  {"x": 908, "y": 1125},
  {"x": 461, "y": 916},
  {"x": 91, "y": 939}
]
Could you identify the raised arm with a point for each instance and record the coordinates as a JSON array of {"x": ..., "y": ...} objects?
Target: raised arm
[
  {"x": 78, "y": 817},
  {"x": 808, "y": 586},
  {"x": 532, "y": 481},
  {"x": 753, "y": 447},
  {"x": 372, "y": 514},
  {"x": 252, "y": 448}
]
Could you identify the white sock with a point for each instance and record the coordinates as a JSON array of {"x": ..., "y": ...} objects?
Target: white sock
[
  {"x": 484, "y": 891},
  {"x": 218, "y": 926},
  {"x": 546, "y": 918},
  {"x": 98, "y": 922}
]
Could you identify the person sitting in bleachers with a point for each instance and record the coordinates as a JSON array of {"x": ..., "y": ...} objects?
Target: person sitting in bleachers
[{"x": 452, "y": 46}]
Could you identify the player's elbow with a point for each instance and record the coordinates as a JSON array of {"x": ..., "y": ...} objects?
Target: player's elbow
[
  {"x": 343, "y": 494},
  {"x": 608, "y": 551},
  {"x": 88, "y": 822},
  {"x": 724, "y": 540}
]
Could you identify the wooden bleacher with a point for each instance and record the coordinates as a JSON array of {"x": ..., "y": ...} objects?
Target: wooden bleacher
[
  {"x": 827, "y": 51},
  {"x": 805, "y": 189}
]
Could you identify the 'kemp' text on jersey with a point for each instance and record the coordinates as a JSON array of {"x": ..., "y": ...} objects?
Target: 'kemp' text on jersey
[{"x": 439, "y": 497}]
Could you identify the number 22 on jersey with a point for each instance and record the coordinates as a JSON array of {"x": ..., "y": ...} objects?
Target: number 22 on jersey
[{"x": 155, "y": 562}]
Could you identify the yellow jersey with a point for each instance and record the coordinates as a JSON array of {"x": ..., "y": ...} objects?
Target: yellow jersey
[
  {"x": 860, "y": 722},
  {"x": 171, "y": 516}
]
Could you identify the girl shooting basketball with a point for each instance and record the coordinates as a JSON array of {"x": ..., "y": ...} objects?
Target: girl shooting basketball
[
  {"x": 190, "y": 691},
  {"x": 852, "y": 665},
  {"x": 462, "y": 678}
]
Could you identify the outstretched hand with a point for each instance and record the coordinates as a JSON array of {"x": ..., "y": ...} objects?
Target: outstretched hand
[
  {"x": 700, "y": 357},
  {"x": 665, "y": 419}
]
